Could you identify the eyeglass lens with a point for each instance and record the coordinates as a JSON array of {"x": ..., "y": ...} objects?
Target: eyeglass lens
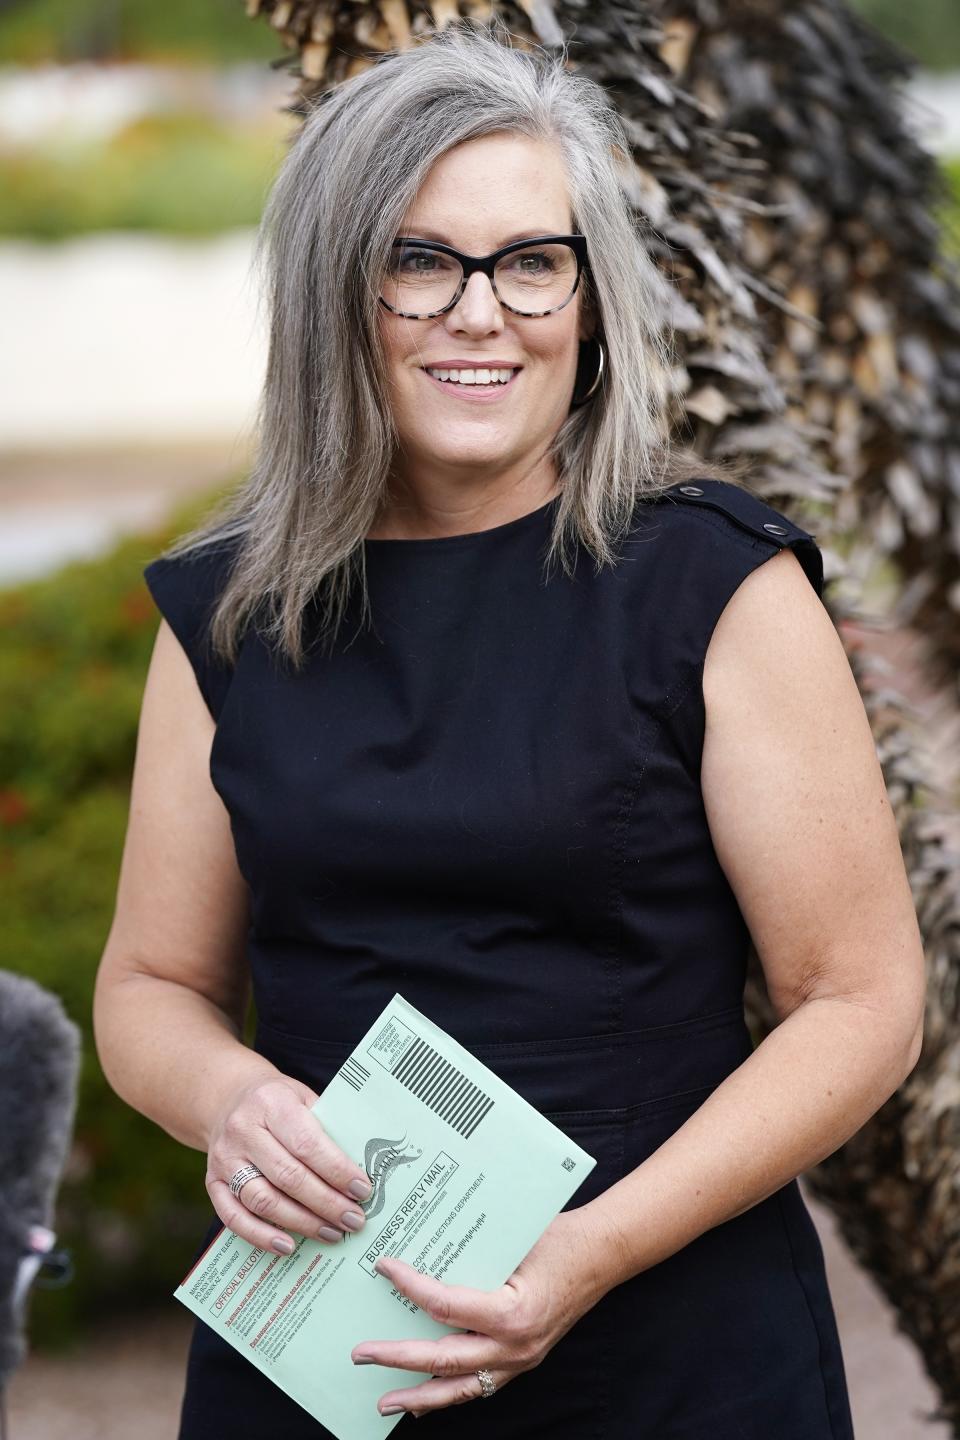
[{"x": 533, "y": 280}]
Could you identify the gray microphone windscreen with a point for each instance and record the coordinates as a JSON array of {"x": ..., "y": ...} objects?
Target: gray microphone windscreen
[{"x": 39, "y": 1063}]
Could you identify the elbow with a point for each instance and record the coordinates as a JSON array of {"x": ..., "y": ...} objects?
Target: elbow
[
  {"x": 906, "y": 1006},
  {"x": 914, "y": 1050},
  {"x": 912, "y": 1045},
  {"x": 915, "y": 1045},
  {"x": 109, "y": 1028},
  {"x": 100, "y": 1029}
]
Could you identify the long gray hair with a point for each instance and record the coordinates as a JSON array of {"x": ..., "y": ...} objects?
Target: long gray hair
[{"x": 325, "y": 434}]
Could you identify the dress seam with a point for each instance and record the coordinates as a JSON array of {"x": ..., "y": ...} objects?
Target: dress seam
[
  {"x": 613, "y": 963},
  {"x": 693, "y": 1025}
]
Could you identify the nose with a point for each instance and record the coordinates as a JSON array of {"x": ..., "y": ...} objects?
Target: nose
[{"x": 478, "y": 311}]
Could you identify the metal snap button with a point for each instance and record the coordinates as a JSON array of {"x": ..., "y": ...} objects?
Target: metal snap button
[
  {"x": 775, "y": 529},
  {"x": 689, "y": 490}
]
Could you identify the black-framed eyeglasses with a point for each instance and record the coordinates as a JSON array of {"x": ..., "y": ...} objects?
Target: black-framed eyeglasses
[{"x": 532, "y": 277}]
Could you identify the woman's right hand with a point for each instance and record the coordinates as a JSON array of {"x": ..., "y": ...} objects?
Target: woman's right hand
[{"x": 305, "y": 1186}]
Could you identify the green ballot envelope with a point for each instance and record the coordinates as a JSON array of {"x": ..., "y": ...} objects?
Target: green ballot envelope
[{"x": 467, "y": 1175}]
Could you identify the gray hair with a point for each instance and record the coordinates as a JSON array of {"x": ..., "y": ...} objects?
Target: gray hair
[{"x": 325, "y": 434}]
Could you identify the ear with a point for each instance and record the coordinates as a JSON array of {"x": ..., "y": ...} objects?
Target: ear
[{"x": 587, "y": 325}]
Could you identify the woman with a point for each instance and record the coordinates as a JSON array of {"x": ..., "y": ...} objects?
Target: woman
[{"x": 551, "y": 805}]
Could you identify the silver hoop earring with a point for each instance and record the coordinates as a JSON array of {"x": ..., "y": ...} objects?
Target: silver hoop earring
[{"x": 580, "y": 400}]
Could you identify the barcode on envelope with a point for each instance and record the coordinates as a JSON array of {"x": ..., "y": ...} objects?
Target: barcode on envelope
[
  {"x": 441, "y": 1086},
  {"x": 354, "y": 1073}
]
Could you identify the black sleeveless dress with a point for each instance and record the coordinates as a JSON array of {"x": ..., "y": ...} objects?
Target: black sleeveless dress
[{"x": 493, "y": 805}]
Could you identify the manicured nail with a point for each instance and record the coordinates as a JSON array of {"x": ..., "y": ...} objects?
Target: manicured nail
[
  {"x": 284, "y": 1245},
  {"x": 391, "y": 1410},
  {"x": 363, "y": 1360},
  {"x": 353, "y": 1219},
  {"x": 327, "y": 1232},
  {"x": 360, "y": 1189}
]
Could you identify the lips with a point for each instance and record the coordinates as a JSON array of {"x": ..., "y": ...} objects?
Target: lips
[{"x": 479, "y": 393}]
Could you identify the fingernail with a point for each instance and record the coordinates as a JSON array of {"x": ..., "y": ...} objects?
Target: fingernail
[
  {"x": 391, "y": 1410},
  {"x": 363, "y": 1360},
  {"x": 360, "y": 1189},
  {"x": 327, "y": 1232},
  {"x": 284, "y": 1245},
  {"x": 353, "y": 1219}
]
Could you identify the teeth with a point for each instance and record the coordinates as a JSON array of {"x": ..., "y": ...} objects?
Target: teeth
[{"x": 473, "y": 377}]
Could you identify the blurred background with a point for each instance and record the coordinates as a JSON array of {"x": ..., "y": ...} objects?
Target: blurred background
[{"x": 137, "y": 144}]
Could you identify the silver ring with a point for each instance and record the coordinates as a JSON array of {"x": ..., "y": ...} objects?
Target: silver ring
[
  {"x": 486, "y": 1383},
  {"x": 240, "y": 1177}
]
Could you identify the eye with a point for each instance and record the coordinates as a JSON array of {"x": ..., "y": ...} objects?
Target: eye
[
  {"x": 417, "y": 260},
  {"x": 410, "y": 261},
  {"x": 533, "y": 262}
]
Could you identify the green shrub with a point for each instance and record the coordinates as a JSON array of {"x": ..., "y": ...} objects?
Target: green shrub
[
  {"x": 74, "y": 650},
  {"x": 177, "y": 30},
  {"x": 179, "y": 173},
  {"x": 929, "y": 31}
]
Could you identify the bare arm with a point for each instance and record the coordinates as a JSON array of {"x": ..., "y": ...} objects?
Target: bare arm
[
  {"x": 803, "y": 828},
  {"x": 172, "y": 988},
  {"x": 172, "y": 991}
]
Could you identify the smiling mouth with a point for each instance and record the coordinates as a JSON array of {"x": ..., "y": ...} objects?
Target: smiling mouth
[{"x": 474, "y": 382}]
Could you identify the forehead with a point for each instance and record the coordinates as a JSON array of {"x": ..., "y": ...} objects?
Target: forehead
[{"x": 484, "y": 191}]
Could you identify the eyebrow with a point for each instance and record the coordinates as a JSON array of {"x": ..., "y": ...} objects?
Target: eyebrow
[{"x": 528, "y": 234}]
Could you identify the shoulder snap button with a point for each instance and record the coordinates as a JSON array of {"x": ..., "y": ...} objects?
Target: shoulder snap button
[
  {"x": 775, "y": 529},
  {"x": 689, "y": 490}
]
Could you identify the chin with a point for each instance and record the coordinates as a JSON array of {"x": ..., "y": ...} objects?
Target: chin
[{"x": 469, "y": 451}]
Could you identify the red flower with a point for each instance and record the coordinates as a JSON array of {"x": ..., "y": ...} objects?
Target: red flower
[{"x": 14, "y": 806}]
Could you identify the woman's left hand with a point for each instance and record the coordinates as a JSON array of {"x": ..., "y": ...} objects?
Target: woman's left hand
[{"x": 512, "y": 1328}]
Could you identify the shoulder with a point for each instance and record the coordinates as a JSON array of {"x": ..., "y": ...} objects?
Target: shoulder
[
  {"x": 724, "y": 529},
  {"x": 772, "y": 664},
  {"x": 196, "y": 573},
  {"x": 186, "y": 587},
  {"x": 187, "y": 584},
  {"x": 694, "y": 547}
]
